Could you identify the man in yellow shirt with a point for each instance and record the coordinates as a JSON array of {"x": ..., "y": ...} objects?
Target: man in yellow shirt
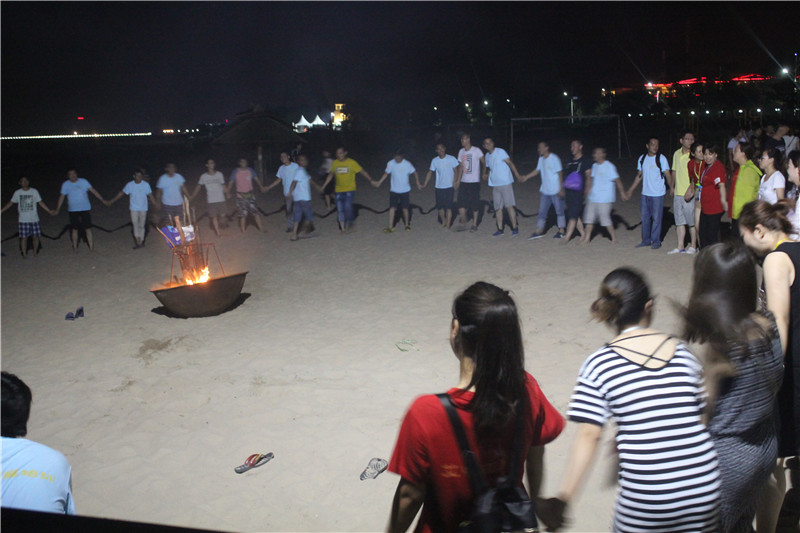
[
  {"x": 344, "y": 170},
  {"x": 682, "y": 208}
]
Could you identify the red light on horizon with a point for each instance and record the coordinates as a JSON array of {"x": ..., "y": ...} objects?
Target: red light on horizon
[{"x": 80, "y": 118}]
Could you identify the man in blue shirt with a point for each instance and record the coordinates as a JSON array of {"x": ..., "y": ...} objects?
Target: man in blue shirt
[
  {"x": 75, "y": 190},
  {"x": 651, "y": 167}
]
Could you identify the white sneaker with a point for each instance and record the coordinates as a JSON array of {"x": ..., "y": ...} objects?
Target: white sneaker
[
  {"x": 674, "y": 251},
  {"x": 691, "y": 250}
]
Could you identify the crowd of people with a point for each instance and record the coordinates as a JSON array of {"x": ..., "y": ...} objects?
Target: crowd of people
[{"x": 582, "y": 192}]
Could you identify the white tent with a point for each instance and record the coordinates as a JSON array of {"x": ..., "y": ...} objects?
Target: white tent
[
  {"x": 300, "y": 126},
  {"x": 318, "y": 122}
]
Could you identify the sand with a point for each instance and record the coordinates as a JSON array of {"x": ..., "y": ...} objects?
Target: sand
[{"x": 155, "y": 412}]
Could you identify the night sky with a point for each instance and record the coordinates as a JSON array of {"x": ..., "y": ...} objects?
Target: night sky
[{"x": 146, "y": 66}]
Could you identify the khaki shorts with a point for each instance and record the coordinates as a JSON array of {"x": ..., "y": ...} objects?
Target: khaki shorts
[
  {"x": 503, "y": 196},
  {"x": 595, "y": 211},
  {"x": 683, "y": 211}
]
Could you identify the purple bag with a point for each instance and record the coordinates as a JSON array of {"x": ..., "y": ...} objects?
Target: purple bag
[{"x": 573, "y": 181}]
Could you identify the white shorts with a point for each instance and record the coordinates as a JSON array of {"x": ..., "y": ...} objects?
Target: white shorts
[{"x": 595, "y": 211}]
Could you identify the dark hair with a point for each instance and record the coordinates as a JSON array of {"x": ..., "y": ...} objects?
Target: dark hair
[
  {"x": 489, "y": 334},
  {"x": 711, "y": 148},
  {"x": 686, "y": 132},
  {"x": 16, "y": 406},
  {"x": 724, "y": 295},
  {"x": 794, "y": 157},
  {"x": 748, "y": 150},
  {"x": 623, "y": 296},
  {"x": 399, "y": 153},
  {"x": 774, "y": 154},
  {"x": 546, "y": 143},
  {"x": 772, "y": 216},
  {"x": 651, "y": 138},
  {"x": 695, "y": 145}
]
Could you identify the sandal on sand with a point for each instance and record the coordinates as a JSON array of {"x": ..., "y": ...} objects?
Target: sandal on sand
[
  {"x": 79, "y": 312},
  {"x": 406, "y": 345},
  {"x": 70, "y": 316},
  {"x": 375, "y": 467},
  {"x": 254, "y": 461}
]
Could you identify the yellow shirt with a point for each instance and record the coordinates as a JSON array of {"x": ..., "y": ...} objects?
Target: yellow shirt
[
  {"x": 746, "y": 189},
  {"x": 680, "y": 164},
  {"x": 344, "y": 172}
]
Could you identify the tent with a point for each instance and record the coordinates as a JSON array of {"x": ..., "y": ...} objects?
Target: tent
[
  {"x": 302, "y": 125},
  {"x": 318, "y": 122}
]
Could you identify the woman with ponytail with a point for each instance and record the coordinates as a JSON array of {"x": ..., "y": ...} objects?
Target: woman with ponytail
[
  {"x": 651, "y": 386},
  {"x": 492, "y": 391}
]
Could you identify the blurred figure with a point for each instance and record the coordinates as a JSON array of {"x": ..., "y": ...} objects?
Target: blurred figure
[
  {"x": 242, "y": 179},
  {"x": 468, "y": 182},
  {"x": 35, "y": 477},
  {"x": 499, "y": 169},
  {"x": 576, "y": 174},
  {"x": 171, "y": 190},
  {"x": 601, "y": 195},
  {"x": 651, "y": 386},
  {"x": 793, "y": 175},
  {"x": 743, "y": 370},
  {"x": 324, "y": 170},
  {"x": 683, "y": 204},
  {"x": 714, "y": 200},
  {"x": 551, "y": 192},
  {"x": 139, "y": 192},
  {"x": 216, "y": 194},
  {"x": 345, "y": 170}
]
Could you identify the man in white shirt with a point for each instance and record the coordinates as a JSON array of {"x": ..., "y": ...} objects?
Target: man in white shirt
[
  {"x": 652, "y": 168},
  {"x": 499, "y": 170},
  {"x": 468, "y": 182}
]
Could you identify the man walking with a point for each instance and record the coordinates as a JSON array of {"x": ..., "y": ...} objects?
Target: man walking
[
  {"x": 468, "y": 181},
  {"x": 499, "y": 174}
]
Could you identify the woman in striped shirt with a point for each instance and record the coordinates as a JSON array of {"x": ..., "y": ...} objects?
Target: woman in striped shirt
[
  {"x": 651, "y": 386},
  {"x": 744, "y": 369}
]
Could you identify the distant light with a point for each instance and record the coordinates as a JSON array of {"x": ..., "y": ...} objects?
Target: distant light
[
  {"x": 485, "y": 102},
  {"x": 691, "y": 112},
  {"x": 629, "y": 114},
  {"x": 778, "y": 108},
  {"x": 758, "y": 110},
  {"x": 435, "y": 108},
  {"x": 74, "y": 136},
  {"x": 740, "y": 111},
  {"x": 786, "y": 70},
  {"x": 565, "y": 93},
  {"x": 677, "y": 112},
  {"x": 640, "y": 114},
  {"x": 708, "y": 112},
  {"x": 80, "y": 118},
  {"x": 466, "y": 105},
  {"x": 603, "y": 90},
  {"x": 507, "y": 100}
]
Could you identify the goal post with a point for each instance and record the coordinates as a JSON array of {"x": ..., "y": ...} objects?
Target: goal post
[{"x": 594, "y": 130}]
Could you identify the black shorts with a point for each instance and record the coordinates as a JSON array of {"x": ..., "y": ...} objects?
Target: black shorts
[
  {"x": 80, "y": 219},
  {"x": 469, "y": 196},
  {"x": 444, "y": 198},
  {"x": 401, "y": 199},
  {"x": 574, "y": 203}
]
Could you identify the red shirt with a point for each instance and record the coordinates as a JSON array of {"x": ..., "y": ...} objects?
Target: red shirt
[
  {"x": 427, "y": 452},
  {"x": 696, "y": 170},
  {"x": 710, "y": 198}
]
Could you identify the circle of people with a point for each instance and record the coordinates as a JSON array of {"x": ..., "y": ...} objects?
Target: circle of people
[{"x": 582, "y": 192}]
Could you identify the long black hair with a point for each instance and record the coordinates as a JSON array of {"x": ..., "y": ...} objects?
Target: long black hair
[{"x": 489, "y": 334}]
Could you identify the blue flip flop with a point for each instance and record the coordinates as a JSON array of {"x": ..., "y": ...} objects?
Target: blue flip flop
[
  {"x": 69, "y": 316},
  {"x": 79, "y": 312}
]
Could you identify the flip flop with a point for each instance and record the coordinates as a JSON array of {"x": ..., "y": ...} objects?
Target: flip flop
[
  {"x": 254, "y": 461},
  {"x": 69, "y": 316},
  {"x": 375, "y": 468},
  {"x": 79, "y": 312},
  {"x": 406, "y": 345}
]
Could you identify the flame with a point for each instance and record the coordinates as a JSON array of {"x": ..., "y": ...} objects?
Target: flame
[{"x": 202, "y": 278}]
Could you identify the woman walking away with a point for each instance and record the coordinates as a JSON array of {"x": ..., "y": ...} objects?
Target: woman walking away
[
  {"x": 765, "y": 229},
  {"x": 493, "y": 391},
  {"x": 651, "y": 386},
  {"x": 744, "y": 369}
]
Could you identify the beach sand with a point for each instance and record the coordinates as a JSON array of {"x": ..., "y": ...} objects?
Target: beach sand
[{"x": 154, "y": 413}]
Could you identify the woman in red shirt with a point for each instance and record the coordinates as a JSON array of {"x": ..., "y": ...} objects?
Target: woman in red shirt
[
  {"x": 713, "y": 199},
  {"x": 696, "y": 167},
  {"x": 493, "y": 390}
]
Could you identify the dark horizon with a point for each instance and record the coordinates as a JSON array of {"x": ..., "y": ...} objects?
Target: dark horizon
[{"x": 145, "y": 66}]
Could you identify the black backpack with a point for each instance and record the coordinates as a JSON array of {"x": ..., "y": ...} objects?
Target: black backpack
[
  {"x": 505, "y": 507},
  {"x": 658, "y": 164}
]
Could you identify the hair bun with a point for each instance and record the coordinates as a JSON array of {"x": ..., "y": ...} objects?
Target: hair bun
[{"x": 607, "y": 307}]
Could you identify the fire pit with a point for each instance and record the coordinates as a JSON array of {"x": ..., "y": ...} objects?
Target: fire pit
[
  {"x": 197, "y": 293},
  {"x": 202, "y": 299}
]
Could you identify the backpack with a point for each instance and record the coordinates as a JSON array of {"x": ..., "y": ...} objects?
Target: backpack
[
  {"x": 658, "y": 164},
  {"x": 574, "y": 180},
  {"x": 505, "y": 507}
]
